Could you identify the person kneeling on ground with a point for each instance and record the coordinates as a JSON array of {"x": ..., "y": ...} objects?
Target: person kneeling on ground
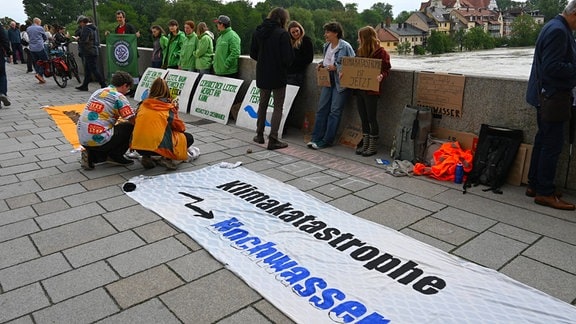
[
  {"x": 159, "y": 134},
  {"x": 103, "y": 137}
]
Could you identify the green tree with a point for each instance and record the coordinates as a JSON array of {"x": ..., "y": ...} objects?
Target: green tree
[
  {"x": 476, "y": 38},
  {"x": 439, "y": 43},
  {"x": 549, "y": 8},
  {"x": 524, "y": 30},
  {"x": 371, "y": 17},
  {"x": 383, "y": 9},
  {"x": 403, "y": 16},
  {"x": 55, "y": 12},
  {"x": 404, "y": 48}
]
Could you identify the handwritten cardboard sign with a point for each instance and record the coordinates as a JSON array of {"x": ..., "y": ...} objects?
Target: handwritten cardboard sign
[
  {"x": 361, "y": 73},
  {"x": 323, "y": 77},
  {"x": 443, "y": 93}
]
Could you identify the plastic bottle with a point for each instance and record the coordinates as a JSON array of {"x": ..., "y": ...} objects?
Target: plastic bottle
[{"x": 459, "y": 174}]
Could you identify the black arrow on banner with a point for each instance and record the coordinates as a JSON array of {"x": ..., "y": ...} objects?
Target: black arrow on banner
[{"x": 201, "y": 212}]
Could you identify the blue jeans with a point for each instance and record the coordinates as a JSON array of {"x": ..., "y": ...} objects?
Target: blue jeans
[
  {"x": 3, "y": 79},
  {"x": 329, "y": 113},
  {"x": 548, "y": 144},
  {"x": 36, "y": 56}
]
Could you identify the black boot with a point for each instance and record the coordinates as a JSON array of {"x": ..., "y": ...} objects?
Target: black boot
[
  {"x": 372, "y": 146},
  {"x": 275, "y": 144},
  {"x": 259, "y": 138},
  {"x": 363, "y": 145}
]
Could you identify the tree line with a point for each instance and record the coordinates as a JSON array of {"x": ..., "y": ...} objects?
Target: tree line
[{"x": 312, "y": 14}]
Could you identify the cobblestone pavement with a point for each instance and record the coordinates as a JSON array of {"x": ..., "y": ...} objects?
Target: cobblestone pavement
[{"x": 75, "y": 249}]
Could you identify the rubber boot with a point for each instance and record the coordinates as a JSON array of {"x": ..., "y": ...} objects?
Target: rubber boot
[{"x": 372, "y": 146}]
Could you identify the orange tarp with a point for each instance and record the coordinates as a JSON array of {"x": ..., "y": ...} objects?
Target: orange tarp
[
  {"x": 66, "y": 118},
  {"x": 445, "y": 160}
]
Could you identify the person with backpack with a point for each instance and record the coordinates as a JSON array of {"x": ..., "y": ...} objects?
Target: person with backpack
[
  {"x": 367, "y": 101},
  {"x": 89, "y": 46},
  {"x": 552, "y": 78}
]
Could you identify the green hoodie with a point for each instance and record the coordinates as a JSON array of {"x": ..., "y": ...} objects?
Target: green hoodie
[
  {"x": 172, "y": 50},
  {"x": 187, "y": 58},
  {"x": 227, "y": 52},
  {"x": 204, "y": 52}
]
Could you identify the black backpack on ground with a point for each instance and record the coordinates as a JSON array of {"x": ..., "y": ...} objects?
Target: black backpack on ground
[{"x": 495, "y": 154}]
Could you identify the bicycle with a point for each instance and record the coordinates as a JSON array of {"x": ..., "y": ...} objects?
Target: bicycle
[{"x": 61, "y": 65}]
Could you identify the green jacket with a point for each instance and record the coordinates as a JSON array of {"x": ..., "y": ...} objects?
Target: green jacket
[
  {"x": 172, "y": 51},
  {"x": 227, "y": 52},
  {"x": 187, "y": 58},
  {"x": 204, "y": 52}
]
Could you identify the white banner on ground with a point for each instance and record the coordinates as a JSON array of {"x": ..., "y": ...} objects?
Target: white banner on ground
[
  {"x": 214, "y": 97},
  {"x": 146, "y": 82},
  {"x": 318, "y": 264},
  {"x": 181, "y": 83},
  {"x": 248, "y": 112}
]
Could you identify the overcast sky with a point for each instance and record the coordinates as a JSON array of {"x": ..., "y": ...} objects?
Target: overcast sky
[{"x": 15, "y": 9}]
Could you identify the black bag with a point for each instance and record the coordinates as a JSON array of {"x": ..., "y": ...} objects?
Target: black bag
[
  {"x": 412, "y": 134},
  {"x": 24, "y": 42},
  {"x": 556, "y": 108},
  {"x": 495, "y": 154}
]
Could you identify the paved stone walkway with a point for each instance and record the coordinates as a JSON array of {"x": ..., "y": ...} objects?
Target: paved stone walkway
[{"x": 75, "y": 249}]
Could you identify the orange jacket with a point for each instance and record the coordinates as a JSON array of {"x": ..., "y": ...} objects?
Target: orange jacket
[
  {"x": 446, "y": 158},
  {"x": 159, "y": 129}
]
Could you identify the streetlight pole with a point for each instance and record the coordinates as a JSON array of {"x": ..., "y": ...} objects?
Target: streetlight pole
[{"x": 95, "y": 20}]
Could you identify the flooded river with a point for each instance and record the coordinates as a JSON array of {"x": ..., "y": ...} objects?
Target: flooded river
[{"x": 503, "y": 62}]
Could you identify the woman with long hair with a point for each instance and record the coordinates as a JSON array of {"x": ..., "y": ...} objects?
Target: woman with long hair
[
  {"x": 159, "y": 42},
  {"x": 272, "y": 50},
  {"x": 303, "y": 53},
  {"x": 205, "y": 50},
  {"x": 159, "y": 134},
  {"x": 367, "y": 101}
]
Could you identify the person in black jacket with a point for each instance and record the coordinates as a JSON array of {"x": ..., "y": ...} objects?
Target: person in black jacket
[
  {"x": 303, "y": 53},
  {"x": 89, "y": 47},
  {"x": 272, "y": 50},
  {"x": 5, "y": 53}
]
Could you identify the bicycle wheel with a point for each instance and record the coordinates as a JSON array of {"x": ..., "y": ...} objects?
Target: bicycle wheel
[
  {"x": 59, "y": 74},
  {"x": 73, "y": 67}
]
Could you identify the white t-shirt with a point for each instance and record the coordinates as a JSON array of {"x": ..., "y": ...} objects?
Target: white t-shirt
[{"x": 329, "y": 57}]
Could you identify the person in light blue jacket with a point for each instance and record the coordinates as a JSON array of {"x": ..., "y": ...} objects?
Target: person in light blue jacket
[{"x": 332, "y": 98}]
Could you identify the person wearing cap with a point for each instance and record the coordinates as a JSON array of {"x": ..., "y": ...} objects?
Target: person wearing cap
[
  {"x": 89, "y": 46},
  {"x": 272, "y": 49},
  {"x": 227, "y": 50}
]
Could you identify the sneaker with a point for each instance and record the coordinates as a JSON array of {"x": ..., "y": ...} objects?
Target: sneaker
[
  {"x": 147, "y": 162},
  {"x": 319, "y": 145},
  {"x": 85, "y": 161},
  {"x": 133, "y": 155},
  {"x": 167, "y": 163},
  {"x": 310, "y": 144},
  {"x": 119, "y": 161},
  {"x": 193, "y": 153},
  {"x": 5, "y": 100}
]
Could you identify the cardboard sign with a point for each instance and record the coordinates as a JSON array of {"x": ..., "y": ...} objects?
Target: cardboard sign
[
  {"x": 323, "y": 77},
  {"x": 146, "y": 82},
  {"x": 181, "y": 83},
  {"x": 443, "y": 93},
  {"x": 214, "y": 97},
  {"x": 361, "y": 73},
  {"x": 468, "y": 141},
  {"x": 248, "y": 113},
  {"x": 351, "y": 135}
]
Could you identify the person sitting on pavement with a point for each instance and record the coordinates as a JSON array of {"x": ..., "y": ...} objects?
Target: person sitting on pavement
[
  {"x": 159, "y": 134},
  {"x": 104, "y": 138}
]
